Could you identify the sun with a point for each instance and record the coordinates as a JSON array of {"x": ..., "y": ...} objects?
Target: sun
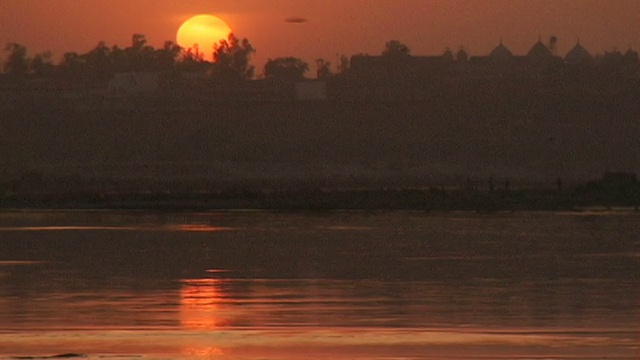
[{"x": 204, "y": 31}]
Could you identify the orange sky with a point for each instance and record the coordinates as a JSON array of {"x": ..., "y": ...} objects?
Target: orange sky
[{"x": 333, "y": 26}]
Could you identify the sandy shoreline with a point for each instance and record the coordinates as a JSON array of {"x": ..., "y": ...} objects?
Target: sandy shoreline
[{"x": 320, "y": 343}]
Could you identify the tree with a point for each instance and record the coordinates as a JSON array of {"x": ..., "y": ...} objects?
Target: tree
[
  {"x": 140, "y": 55},
  {"x": 17, "y": 62},
  {"x": 232, "y": 59},
  {"x": 72, "y": 65},
  {"x": 167, "y": 57},
  {"x": 287, "y": 68},
  {"x": 323, "y": 68},
  {"x": 138, "y": 41},
  {"x": 396, "y": 48},
  {"x": 119, "y": 59},
  {"x": 42, "y": 64},
  {"x": 344, "y": 64},
  {"x": 98, "y": 63},
  {"x": 192, "y": 60}
]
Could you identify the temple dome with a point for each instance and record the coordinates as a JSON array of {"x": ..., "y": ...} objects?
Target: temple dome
[
  {"x": 631, "y": 55},
  {"x": 578, "y": 55},
  {"x": 448, "y": 55},
  {"x": 501, "y": 53},
  {"x": 539, "y": 50},
  {"x": 462, "y": 56}
]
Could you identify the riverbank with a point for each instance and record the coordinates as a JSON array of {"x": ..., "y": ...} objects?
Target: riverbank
[{"x": 320, "y": 200}]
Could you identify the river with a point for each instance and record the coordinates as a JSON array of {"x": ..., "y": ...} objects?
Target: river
[{"x": 344, "y": 285}]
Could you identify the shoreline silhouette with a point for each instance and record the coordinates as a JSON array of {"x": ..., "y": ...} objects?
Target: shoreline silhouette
[
  {"x": 140, "y": 117},
  {"x": 613, "y": 190}
]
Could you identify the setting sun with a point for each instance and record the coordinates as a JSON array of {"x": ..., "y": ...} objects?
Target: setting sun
[{"x": 204, "y": 31}]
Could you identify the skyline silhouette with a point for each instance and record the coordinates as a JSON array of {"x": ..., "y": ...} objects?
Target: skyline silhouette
[
  {"x": 331, "y": 26},
  {"x": 165, "y": 115},
  {"x": 18, "y": 60}
]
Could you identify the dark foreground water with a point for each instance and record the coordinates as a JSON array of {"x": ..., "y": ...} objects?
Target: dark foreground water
[{"x": 121, "y": 285}]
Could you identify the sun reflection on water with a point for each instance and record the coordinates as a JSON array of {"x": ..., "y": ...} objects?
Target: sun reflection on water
[
  {"x": 200, "y": 311},
  {"x": 200, "y": 304}
]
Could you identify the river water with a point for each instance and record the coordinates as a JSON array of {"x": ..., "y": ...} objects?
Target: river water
[{"x": 259, "y": 285}]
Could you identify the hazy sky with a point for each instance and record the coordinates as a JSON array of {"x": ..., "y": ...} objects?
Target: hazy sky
[{"x": 333, "y": 26}]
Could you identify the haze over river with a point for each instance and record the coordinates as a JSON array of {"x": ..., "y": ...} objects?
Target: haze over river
[{"x": 344, "y": 285}]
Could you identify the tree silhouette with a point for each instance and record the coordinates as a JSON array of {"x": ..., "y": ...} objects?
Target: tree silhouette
[
  {"x": 17, "y": 62},
  {"x": 102, "y": 62},
  {"x": 287, "y": 68},
  {"x": 167, "y": 57},
  {"x": 42, "y": 64},
  {"x": 192, "y": 60},
  {"x": 140, "y": 55},
  {"x": 343, "y": 64},
  {"x": 232, "y": 59},
  {"x": 138, "y": 42},
  {"x": 396, "y": 48},
  {"x": 119, "y": 59},
  {"x": 72, "y": 65},
  {"x": 98, "y": 62},
  {"x": 323, "y": 68}
]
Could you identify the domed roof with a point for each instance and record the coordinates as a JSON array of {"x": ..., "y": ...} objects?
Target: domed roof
[
  {"x": 462, "y": 55},
  {"x": 631, "y": 55},
  {"x": 578, "y": 55},
  {"x": 501, "y": 53},
  {"x": 448, "y": 55},
  {"x": 539, "y": 50}
]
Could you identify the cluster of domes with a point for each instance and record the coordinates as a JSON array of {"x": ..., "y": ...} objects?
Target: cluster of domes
[{"x": 577, "y": 55}]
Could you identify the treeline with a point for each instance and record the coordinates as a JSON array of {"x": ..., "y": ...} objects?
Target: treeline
[{"x": 231, "y": 61}]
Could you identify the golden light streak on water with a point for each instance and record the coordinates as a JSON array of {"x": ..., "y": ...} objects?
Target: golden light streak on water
[
  {"x": 171, "y": 228},
  {"x": 199, "y": 310}
]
